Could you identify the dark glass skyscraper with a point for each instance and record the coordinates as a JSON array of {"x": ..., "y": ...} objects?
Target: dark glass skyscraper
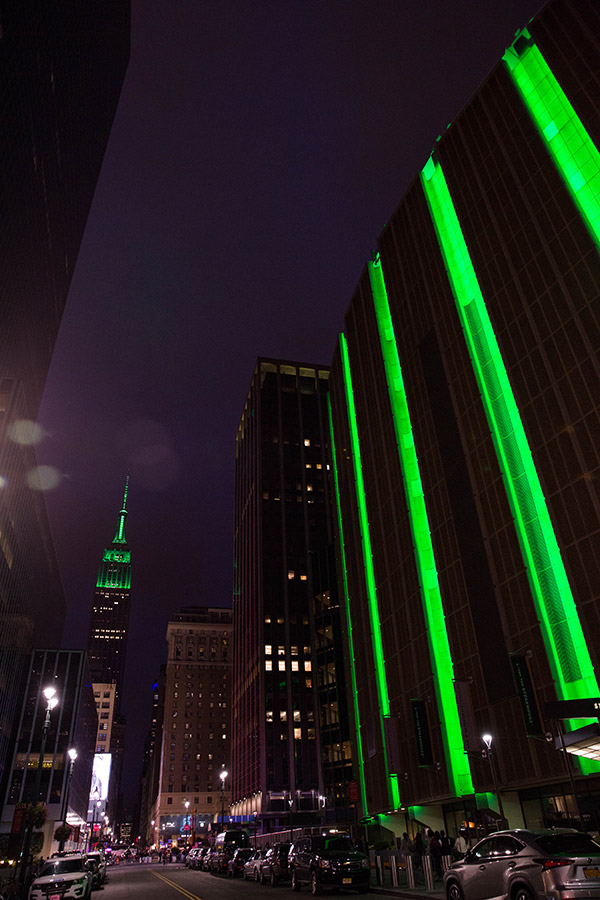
[
  {"x": 62, "y": 66},
  {"x": 109, "y": 623},
  {"x": 282, "y": 513},
  {"x": 466, "y": 416}
]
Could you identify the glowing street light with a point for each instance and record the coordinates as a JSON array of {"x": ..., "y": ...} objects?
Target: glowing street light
[
  {"x": 223, "y": 775},
  {"x": 487, "y": 740}
]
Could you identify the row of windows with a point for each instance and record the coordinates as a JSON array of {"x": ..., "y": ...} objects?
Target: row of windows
[
  {"x": 283, "y": 715},
  {"x": 281, "y": 650},
  {"x": 281, "y": 665}
]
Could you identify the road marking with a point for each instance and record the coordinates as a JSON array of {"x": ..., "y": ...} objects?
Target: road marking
[{"x": 181, "y": 890}]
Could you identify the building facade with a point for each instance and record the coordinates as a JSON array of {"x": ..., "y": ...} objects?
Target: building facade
[
  {"x": 61, "y": 72},
  {"x": 466, "y": 419},
  {"x": 196, "y": 730},
  {"x": 72, "y": 724},
  {"x": 283, "y": 513}
]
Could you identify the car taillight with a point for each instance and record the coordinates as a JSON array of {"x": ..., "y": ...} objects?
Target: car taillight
[{"x": 553, "y": 863}]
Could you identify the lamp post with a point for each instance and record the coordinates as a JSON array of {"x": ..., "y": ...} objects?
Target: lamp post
[
  {"x": 291, "y": 803},
  {"x": 223, "y": 776},
  {"x": 51, "y": 701},
  {"x": 72, "y": 756},
  {"x": 186, "y": 827},
  {"x": 152, "y": 841},
  {"x": 487, "y": 740}
]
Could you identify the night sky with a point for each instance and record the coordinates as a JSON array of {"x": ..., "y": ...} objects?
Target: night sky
[{"x": 258, "y": 149}]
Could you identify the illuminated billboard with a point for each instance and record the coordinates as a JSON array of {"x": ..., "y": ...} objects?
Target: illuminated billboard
[{"x": 99, "y": 788}]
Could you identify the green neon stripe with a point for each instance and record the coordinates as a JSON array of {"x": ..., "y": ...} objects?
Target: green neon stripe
[
  {"x": 457, "y": 762},
  {"x": 360, "y": 761},
  {"x": 559, "y": 621},
  {"x": 560, "y": 128},
  {"x": 380, "y": 676}
]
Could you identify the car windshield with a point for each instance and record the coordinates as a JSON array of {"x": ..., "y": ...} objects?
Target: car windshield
[
  {"x": 343, "y": 844},
  {"x": 61, "y": 866},
  {"x": 568, "y": 844}
]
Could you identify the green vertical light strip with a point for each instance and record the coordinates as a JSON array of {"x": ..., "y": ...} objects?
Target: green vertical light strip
[
  {"x": 568, "y": 143},
  {"x": 559, "y": 621},
  {"x": 457, "y": 762},
  {"x": 360, "y": 761},
  {"x": 380, "y": 676}
]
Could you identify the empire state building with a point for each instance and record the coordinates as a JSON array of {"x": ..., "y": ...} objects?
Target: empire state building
[{"x": 110, "y": 612}]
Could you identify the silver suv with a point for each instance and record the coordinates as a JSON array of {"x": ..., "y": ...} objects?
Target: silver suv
[{"x": 556, "y": 864}]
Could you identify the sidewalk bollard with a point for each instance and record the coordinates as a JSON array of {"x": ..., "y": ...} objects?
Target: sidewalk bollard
[
  {"x": 446, "y": 862},
  {"x": 379, "y": 862},
  {"x": 428, "y": 872},
  {"x": 410, "y": 871},
  {"x": 394, "y": 869}
]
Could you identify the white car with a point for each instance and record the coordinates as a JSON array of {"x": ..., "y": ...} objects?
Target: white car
[
  {"x": 66, "y": 878},
  {"x": 99, "y": 857}
]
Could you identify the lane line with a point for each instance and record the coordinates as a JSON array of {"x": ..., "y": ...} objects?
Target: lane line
[{"x": 172, "y": 884}]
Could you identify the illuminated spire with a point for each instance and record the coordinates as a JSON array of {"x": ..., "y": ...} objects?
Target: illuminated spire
[{"x": 120, "y": 535}]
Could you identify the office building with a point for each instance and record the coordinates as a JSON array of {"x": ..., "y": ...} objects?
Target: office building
[
  {"x": 466, "y": 419},
  {"x": 61, "y": 71},
  {"x": 107, "y": 642},
  {"x": 72, "y": 724},
  {"x": 283, "y": 513},
  {"x": 196, "y": 731}
]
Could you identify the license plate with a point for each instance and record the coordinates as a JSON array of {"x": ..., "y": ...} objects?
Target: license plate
[
  {"x": 346, "y": 881},
  {"x": 592, "y": 873},
  {"x": 53, "y": 896}
]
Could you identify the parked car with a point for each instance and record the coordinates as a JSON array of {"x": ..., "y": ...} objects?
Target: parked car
[
  {"x": 67, "y": 877},
  {"x": 98, "y": 856},
  {"x": 328, "y": 861},
  {"x": 274, "y": 867},
  {"x": 191, "y": 856},
  {"x": 235, "y": 866},
  {"x": 521, "y": 864},
  {"x": 252, "y": 865}
]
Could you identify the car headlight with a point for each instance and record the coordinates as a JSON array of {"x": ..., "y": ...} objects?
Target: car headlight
[
  {"x": 324, "y": 864},
  {"x": 366, "y": 863}
]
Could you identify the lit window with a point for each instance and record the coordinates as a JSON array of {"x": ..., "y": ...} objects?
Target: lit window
[
  {"x": 311, "y": 734},
  {"x": 268, "y": 665},
  {"x": 267, "y": 621},
  {"x": 294, "y": 651},
  {"x": 297, "y": 734},
  {"x": 306, "y": 442},
  {"x": 280, "y": 651},
  {"x": 269, "y": 715},
  {"x": 309, "y": 487},
  {"x": 319, "y": 466},
  {"x": 308, "y": 465},
  {"x": 303, "y": 577},
  {"x": 280, "y": 622},
  {"x": 281, "y": 665},
  {"x": 265, "y": 495},
  {"x": 306, "y": 650},
  {"x": 268, "y": 649},
  {"x": 283, "y": 715},
  {"x": 296, "y": 715},
  {"x": 291, "y": 574},
  {"x": 307, "y": 665},
  {"x": 294, "y": 665}
]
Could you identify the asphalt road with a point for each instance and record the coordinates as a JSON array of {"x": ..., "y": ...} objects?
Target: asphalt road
[{"x": 138, "y": 881}]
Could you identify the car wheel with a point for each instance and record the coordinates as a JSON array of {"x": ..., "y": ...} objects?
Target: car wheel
[
  {"x": 315, "y": 887},
  {"x": 522, "y": 892},
  {"x": 454, "y": 891},
  {"x": 296, "y": 886}
]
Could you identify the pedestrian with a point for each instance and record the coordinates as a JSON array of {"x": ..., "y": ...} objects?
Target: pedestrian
[
  {"x": 406, "y": 846},
  {"x": 435, "y": 851},
  {"x": 461, "y": 844},
  {"x": 446, "y": 843}
]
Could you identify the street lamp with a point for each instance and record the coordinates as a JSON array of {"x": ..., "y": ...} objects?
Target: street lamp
[
  {"x": 291, "y": 803},
  {"x": 223, "y": 776},
  {"x": 51, "y": 702},
  {"x": 487, "y": 740},
  {"x": 72, "y": 756},
  {"x": 186, "y": 826}
]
